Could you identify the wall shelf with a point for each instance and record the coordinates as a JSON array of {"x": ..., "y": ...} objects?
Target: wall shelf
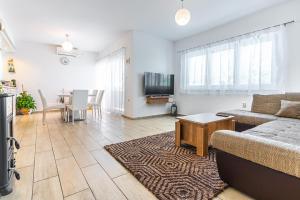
[{"x": 157, "y": 99}]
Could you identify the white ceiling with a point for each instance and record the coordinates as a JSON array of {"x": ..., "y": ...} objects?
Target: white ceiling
[{"x": 93, "y": 24}]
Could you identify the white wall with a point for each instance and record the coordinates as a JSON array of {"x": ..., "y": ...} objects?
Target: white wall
[
  {"x": 151, "y": 54},
  {"x": 190, "y": 104},
  {"x": 38, "y": 67},
  {"x": 147, "y": 53}
]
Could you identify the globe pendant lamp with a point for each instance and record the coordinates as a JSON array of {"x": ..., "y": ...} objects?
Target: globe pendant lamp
[
  {"x": 183, "y": 16},
  {"x": 67, "y": 45}
]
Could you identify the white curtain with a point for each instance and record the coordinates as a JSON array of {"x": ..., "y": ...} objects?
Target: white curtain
[
  {"x": 246, "y": 64},
  {"x": 110, "y": 77}
]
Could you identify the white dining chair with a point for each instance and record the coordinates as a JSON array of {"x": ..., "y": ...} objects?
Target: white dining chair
[
  {"x": 47, "y": 108},
  {"x": 63, "y": 96},
  {"x": 92, "y": 100},
  {"x": 79, "y": 104},
  {"x": 97, "y": 105}
]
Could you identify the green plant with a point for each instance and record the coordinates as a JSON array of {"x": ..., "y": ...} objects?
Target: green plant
[{"x": 25, "y": 100}]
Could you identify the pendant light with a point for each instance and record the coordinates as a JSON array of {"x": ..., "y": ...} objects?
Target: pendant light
[
  {"x": 183, "y": 16},
  {"x": 67, "y": 45}
]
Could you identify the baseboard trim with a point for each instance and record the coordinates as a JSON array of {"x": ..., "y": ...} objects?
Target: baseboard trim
[{"x": 146, "y": 117}]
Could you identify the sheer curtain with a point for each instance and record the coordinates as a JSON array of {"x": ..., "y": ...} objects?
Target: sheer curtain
[
  {"x": 246, "y": 64},
  {"x": 110, "y": 77}
]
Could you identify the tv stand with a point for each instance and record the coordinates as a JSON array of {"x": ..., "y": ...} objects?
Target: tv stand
[{"x": 157, "y": 99}]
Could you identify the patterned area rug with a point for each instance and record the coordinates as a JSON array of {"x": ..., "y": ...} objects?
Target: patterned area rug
[{"x": 167, "y": 171}]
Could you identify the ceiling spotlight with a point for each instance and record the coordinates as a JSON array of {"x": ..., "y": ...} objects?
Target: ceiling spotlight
[
  {"x": 183, "y": 15},
  {"x": 67, "y": 45}
]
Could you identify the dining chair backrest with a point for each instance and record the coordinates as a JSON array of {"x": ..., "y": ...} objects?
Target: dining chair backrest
[
  {"x": 80, "y": 99},
  {"x": 44, "y": 101},
  {"x": 100, "y": 97},
  {"x": 94, "y": 97}
]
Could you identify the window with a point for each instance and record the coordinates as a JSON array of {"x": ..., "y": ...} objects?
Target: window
[
  {"x": 221, "y": 68},
  {"x": 197, "y": 70},
  {"x": 250, "y": 63}
]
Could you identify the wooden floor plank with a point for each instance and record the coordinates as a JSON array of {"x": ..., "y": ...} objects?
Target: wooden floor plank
[
  {"x": 84, "y": 195},
  {"x": 132, "y": 188},
  {"x": 48, "y": 189},
  {"x": 109, "y": 164},
  {"x": 89, "y": 143},
  {"x": 43, "y": 144},
  {"x": 71, "y": 178},
  {"x": 101, "y": 184},
  {"x": 82, "y": 156},
  {"x": 28, "y": 139},
  {"x": 233, "y": 194},
  {"x": 61, "y": 149},
  {"x": 44, "y": 166},
  {"x": 25, "y": 156}
]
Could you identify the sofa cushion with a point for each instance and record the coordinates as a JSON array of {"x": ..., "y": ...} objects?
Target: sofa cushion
[
  {"x": 270, "y": 104},
  {"x": 281, "y": 130},
  {"x": 290, "y": 109},
  {"x": 251, "y": 118},
  {"x": 292, "y": 96},
  {"x": 267, "y": 104}
]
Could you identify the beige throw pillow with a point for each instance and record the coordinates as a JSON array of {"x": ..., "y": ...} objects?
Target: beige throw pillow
[{"x": 290, "y": 109}]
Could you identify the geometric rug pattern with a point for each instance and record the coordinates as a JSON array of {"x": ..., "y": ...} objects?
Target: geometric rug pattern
[{"x": 169, "y": 172}]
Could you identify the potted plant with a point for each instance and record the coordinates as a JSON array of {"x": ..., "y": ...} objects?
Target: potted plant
[{"x": 25, "y": 103}]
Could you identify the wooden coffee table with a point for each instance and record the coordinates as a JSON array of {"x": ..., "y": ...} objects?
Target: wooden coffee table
[{"x": 196, "y": 130}]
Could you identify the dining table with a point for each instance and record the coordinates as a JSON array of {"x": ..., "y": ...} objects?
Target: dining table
[
  {"x": 62, "y": 98},
  {"x": 68, "y": 95}
]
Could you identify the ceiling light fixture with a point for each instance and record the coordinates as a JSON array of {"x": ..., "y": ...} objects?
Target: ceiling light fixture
[
  {"x": 183, "y": 15},
  {"x": 67, "y": 45}
]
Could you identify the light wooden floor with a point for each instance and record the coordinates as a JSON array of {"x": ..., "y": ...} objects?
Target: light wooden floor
[{"x": 64, "y": 161}]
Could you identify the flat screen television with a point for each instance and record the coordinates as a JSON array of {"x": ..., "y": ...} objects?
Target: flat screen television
[{"x": 158, "y": 84}]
